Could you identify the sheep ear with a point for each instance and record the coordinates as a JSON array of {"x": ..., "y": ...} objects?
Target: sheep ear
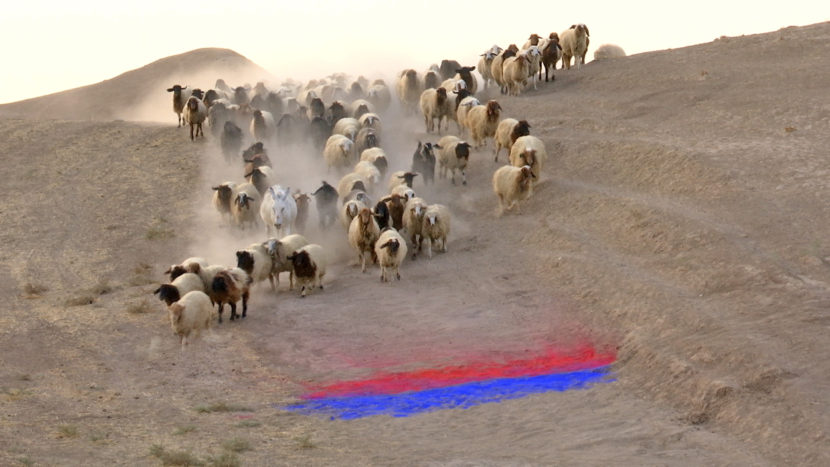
[
  {"x": 586, "y": 30},
  {"x": 157, "y": 291},
  {"x": 216, "y": 187},
  {"x": 168, "y": 271},
  {"x": 169, "y": 89}
]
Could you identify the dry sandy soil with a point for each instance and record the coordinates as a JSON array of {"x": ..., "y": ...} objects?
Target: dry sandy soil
[{"x": 681, "y": 219}]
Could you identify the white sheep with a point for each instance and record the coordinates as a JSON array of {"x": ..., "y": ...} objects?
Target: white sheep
[
  {"x": 195, "y": 113},
  {"x": 309, "y": 265},
  {"x": 606, "y": 51},
  {"x": 279, "y": 251},
  {"x": 413, "y": 218},
  {"x": 534, "y": 54},
  {"x": 370, "y": 173},
  {"x": 485, "y": 62},
  {"x": 463, "y": 110},
  {"x": 435, "y": 227},
  {"x": 516, "y": 72},
  {"x": 348, "y": 127},
  {"x": 223, "y": 197},
  {"x": 497, "y": 66},
  {"x": 349, "y": 211},
  {"x": 574, "y": 42},
  {"x": 482, "y": 121},
  {"x": 359, "y": 107},
  {"x": 402, "y": 177},
  {"x": 245, "y": 206},
  {"x": 379, "y": 95},
  {"x": 529, "y": 150},
  {"x": 190, "y": 315},
  {"x": 512, "y": 184},
  {"x": 263, "y": 127},
  {"x": 339, "y": 152},
  {"x": 348, "y": 181},
  {"x": 371, "y": 120},
  {"x": 279, "y": 210},
  {"x": 507, "y": 132},
  {"x": 434, "y": 106},
  {"x": 363, "y": 233},
  {"x": 453, "y": 154},
  {"x": 409, "y": 90},
  {"x": 172, "y": 292},
  {"x": 257, "y": 263},
  {"x": 403, "y": 191},
  {"x": 390, "y": 249}
]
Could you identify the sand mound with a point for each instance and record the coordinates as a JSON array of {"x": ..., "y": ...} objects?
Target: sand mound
[{"x": 140, "y": 94}]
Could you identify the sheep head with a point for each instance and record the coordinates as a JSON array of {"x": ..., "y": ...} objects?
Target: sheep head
[
  {"x": 393, "y": 245},
  {"x": 245, "y": 261},
  {"x": 493, "y": 109},
  {"x": 462, "y": 150}
]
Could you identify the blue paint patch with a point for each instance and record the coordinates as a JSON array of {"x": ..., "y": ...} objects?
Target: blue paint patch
[{"x": 460, "y": 396}]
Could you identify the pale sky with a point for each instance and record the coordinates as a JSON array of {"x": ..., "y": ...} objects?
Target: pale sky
[{"x": 50, "y": 46}]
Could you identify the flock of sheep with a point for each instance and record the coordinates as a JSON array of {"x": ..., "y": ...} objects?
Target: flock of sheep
[{"x": 338, "y": 124}]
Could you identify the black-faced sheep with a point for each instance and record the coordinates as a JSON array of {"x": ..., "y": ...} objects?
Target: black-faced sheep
[
  {"x": 401, "y": 178},
  {"x": 179, "y": 98},
  {"x": 193, "y": 264},
  {"x": 453, "y": 154},
  {"x": 223, "y": 197},
  {"x": 448, "y": 68},
  {"x": 506, "y": 133},
  {"x": 303, "y": 201},
  {"x": 390, "y": 250},
  {"x": 335, "y": 112},
  {"x": 257, "y": 263},
  {"x": 512, "y": 184},
  {"x": 325, "y": 199},
  {"x": 263, "y": 127},
  {"x": 231, "y": 140},
  {"x": 172, "y": 292},
  {"x": 261, "y": 177},
  {"x": 381, "y": 213},
  {"x": 529, "y": 150},
  {"x": 465, "y": 73},
  {"x": 229, "y": 286},
  {"x": 309, "y": 264},
  {"x": 279, "y": 251},
  {"x": 319, "y": 131},
  {"x": 376, "y": 156},
  {"x": 190, "y": 315},
  {"x": 363, "y": 233}
]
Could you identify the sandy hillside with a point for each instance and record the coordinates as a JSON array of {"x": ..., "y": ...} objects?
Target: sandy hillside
[{"x": 679, "y": 222}]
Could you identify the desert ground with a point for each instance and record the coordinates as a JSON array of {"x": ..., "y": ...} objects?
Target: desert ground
[{"x": 679, "y": 221}]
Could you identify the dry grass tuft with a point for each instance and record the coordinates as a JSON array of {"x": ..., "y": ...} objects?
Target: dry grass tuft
[
  {"x": 67, "y": 431},
  {"x": 236, "y": 445},
  {"x": 184, "y": 430},
  {"x": 305, "y": 442},
  {"x": 181, "y": 458},
  {"x": 222, "y": 407},
  {"x": 226, "y": 459},
  {"x": 33, "y": 290},
  {"x": 140, "y": 307}
]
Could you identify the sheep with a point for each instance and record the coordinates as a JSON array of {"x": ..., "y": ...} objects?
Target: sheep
[
  {"x": 371, "y": 120},
  {"x": 195, "y": 114},
  {"x": 423, "y": 162},
  {"x": 319, "y": 131},
  {"x": 574, "y": 43},
  {"x": 435, "y": 226},
  {"x": 245, "y": 205},
  {"x": 532, "y": 40},
  {"x": 390, "y": 250},
  {"x": 455, "y": 100},
  {"x": 403, "y": 191},
  {"x": 303, "y": 201},
  {"x": 261, "y": 177},
  {"x": 534, "y": 55},
  {"x": 347, "y": 183},
  {"x": 172, "y": 292},
  {"x": 484, "y": 65},
  {"x": 339, "y": 152},
  {"x": 453, "y": 154},
  {"x": 434, "y": 105},
  {"x": 363, "y": 233},
  {"x": 431, "y": 79},
  {"x": 309, "y": 264},
  {"x": 465, "y": 73},
  {"x": 377, "y": 156},
  {"x": 193, "y": 264},
  {"x": 336, "y": 112},
  {"x": 529, "y": 150},
  {"x": 263, "y": 127},
  {"x": 366, "y": 138},
  {"x": 516, "y": 72},
  {"x": 350, "y": 210},
  {"x": 222, "y": 199},
  {"x": 371, "y": 174},
  {"x": 448, "y": 68},
  {"x": 606, "y": 51},
  {"x": 381, "y": 213},
  {"x": 190, "y": 315},
  {"x": 229, "y": 286},
  {"x": 497, "y": 66},
  {"x": 395, "y": 202},
  {"x": 359, "y": 107},
  {"x": 278, "y": 209},
  {"x": 240, "y": 96},
  {"x": 325, "y": 200},
  {"x": 230, "y": 140},
  {"x": 379, "y": 95},
  {"x": 551, "y": 53},
  {"x": 506, "y": 133},
  {"x": 279, "y": 251},
  {"x": 482, "y": 121},
  {"x": 348, "y": 127},
  {"x": 401, "y": 178},
  {"x": 463, "y": 110},
  {"x": 409, "y": 90},
  {"x": 512, "y": 184},
  {"x": 413, "y": 217},
  {"x": 179, "y": 98},
  {"x": 316, "y": 108},
  {"x": 257, "y": 263}
]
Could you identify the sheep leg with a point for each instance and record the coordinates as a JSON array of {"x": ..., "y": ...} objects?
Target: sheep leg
[
  {"x": 463, "y": 177},
  {"x": 362, "y": 261},
  {"x": 245, "y": 304},
  {"x": 271, "y": 280},
  {"x": 233, "y": 310},
  {"x": 291, "y": 280},
  {"x": 221, "y": 305}
]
